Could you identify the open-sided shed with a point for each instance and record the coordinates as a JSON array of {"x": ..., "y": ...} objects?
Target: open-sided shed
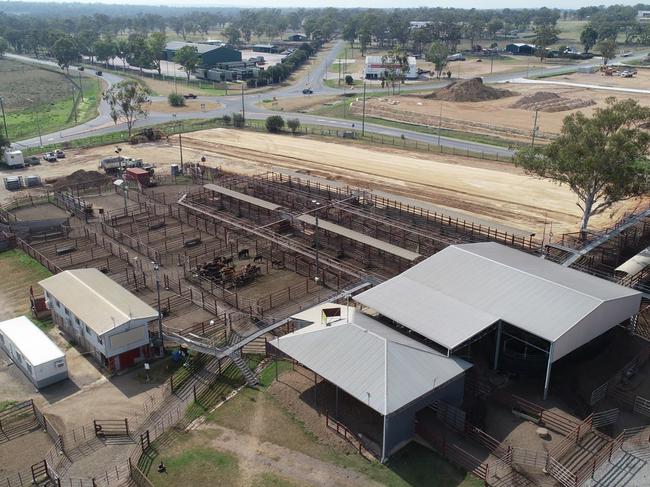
[
  {"x": 391, "y": 373},
  {"x": 464, "y": 290}
]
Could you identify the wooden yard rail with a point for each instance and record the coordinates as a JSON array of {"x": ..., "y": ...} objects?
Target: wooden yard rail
[{"x": 350, "y": 437}]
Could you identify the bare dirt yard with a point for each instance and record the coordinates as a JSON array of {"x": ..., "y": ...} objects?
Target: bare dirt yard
[
  {"x": 640, "y": 81},
  {"x": 509, "y": 117},
  {"x": 489, "y": 190}
]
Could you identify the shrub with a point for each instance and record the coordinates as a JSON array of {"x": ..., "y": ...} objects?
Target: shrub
[
  {"x": 349, "y": 80},
  {"x": 176, "y": 100},
  {"x": 238, "y": 120},
  {"x": 274, "y": 123},
  {"x": 293, "y": 124},
  {"x": 226, "y": 119}
]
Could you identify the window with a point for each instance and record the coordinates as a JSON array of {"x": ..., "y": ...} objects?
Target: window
[
  {"x": 99, "y": 339},
  {"x": 88, "y": 331},
  {"x": 59, "y": 364},
  {"x": 19, "y": 357},
  {"x": 77, "y": 320},
  {"x": 2, "y": 339},
  {"x": 67, "y": 311}
]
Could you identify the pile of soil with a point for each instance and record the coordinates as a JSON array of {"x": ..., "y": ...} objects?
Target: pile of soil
[
  {"x": 469, "y": 90},
  {"x": 80, "y": 177},
  {"x": 545, "y": 101}
]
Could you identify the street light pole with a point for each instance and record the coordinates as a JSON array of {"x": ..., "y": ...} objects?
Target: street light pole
[
  {"x": 439, "y": 123},
  {"x": 156, "y": 268}
]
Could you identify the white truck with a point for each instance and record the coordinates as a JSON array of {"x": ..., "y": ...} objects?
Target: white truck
[
  {"x": 14, "y": 159},
  {"x": 113, "y": 165}
]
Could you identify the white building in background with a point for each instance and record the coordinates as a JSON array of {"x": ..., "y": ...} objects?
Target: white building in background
[
  {"x": 33, "y": 351},
  {"x": 100, "y": 316},
  {"x": 643, "y": 15},
  {"x": 375, "y": 68}
]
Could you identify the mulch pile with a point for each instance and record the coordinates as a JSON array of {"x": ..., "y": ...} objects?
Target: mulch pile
[
  {"x": 469, "y": 90},
  {"x": 545, "y": 101},
  {"x": 80, "y": 177}
]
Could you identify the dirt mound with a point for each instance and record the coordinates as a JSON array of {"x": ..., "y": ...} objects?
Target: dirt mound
[
  {"x": 469, "y": 90},
  {"x": 545, "y": 101},
  {"x": 80, "y": 177}
]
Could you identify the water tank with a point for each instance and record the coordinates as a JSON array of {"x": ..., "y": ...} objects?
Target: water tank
[
  {"x": 13, "y": 183},
  {"x": 175, "y": 170},
  {"x": 31, "y": 181}
]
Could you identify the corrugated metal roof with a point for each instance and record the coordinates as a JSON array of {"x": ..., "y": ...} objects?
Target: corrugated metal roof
[
  {"x": 201, "y": 48},
  {"x": 636, "y": 264},
  {"x": 242, "y": 197},
  {"x": 96, "y": 299},
  {"x": 360, "y": 237},
  {"x": 452, "y": 295},
  {"x": 375, "y": 364},
  {"x": 30, "y": 341}
]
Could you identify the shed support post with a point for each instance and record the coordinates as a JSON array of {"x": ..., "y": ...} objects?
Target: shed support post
[
  {"x": 497, "y": 351},
  {"x": 547, "y": 381},
  {"x": 384, "y": 450},
  {"x": 336, "y": 403}
]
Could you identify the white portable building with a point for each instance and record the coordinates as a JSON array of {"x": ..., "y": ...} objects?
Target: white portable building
[
  {"x": 14, "y": 158},
  {"x": 33, "y": 351}
]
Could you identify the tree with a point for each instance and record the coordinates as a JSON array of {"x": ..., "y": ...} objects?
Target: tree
[
  {"x": 364, "y": 39},
  {"x": 494, "y": 26},
  {"x": 127, "y": 100},
  {"x": 65, "y": 51},
  {"x": 545, "y": 35},
  {"x": 188, "y": 57},
  {"x": 588, "y": 37},
  {"x": 4, "y": 46},
  {"x": 4, "y": 143},
  {"x": 438, "y": 56},
  {"x": 139, "y": 53},
  {"x": 607, "y": 48},
  {"x": 602, "y": 158},
  {"x": 396, "y": 65},
  {"x": 122, "y": 50},
  {"x": 105, "y": 50},
  {"x": 156, "y": 43},
  {"x": 238, "y": 120},
  {"x": 232, "y": 34},
  {"x": 274, "y": 123},
  {"x": 293, "y": 124}
]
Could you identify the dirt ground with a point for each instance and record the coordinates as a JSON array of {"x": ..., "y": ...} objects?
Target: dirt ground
[
  {"x": 489, "y": 190},
  {"x": 496, "y": 117},
  {"x": 197, "y": 105},
  {"x": 40, "y": 212},
  {"x": 23, "y": 452},
  {"x": 640, "y": 81}
]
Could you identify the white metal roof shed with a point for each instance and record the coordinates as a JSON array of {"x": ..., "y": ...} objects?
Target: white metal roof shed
[
  {"x": 96, "y": 299},
  {"x": 360, "y": 237},
  {"x": 636, "y": 264},
  {"x": 33, "y": 344},
  {"x": 373, "y": 363},
  {"x": 478, "y": 282},
  {"x": 242, "y": 197}
]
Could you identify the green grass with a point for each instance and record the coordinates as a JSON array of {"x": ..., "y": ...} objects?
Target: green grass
[
  {"x": 56, "y": 115},
  {"x": 267, "y": 376},
  {"x": 272, "y": 480},
  {"x": 198, "y": 466},
  {"x": 24, "y": 272},
  {"x": 4, "y": 405}
]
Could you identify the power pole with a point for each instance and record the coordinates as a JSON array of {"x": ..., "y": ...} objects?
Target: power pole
[
  {"x": 532, "y": 143},
  {"x": 439, "y": 123},
  {"x": 4, "y": 119},
  {"x": 363, "y": 112},
  {"x": 74, "y": 103},
  {"x": 81, "y": 88},
  {"x": 243, "y": 107}
]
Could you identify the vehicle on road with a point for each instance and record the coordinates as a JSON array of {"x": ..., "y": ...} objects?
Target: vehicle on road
[
  {"x": 50, "y": 157},
  {"x": 456, "y": 57},
  {"x": 187, "y": 96},
  {"x": 307, "y": 91},
  {"x": 99, "y": 73},
  {"x": 59, "y": 154},
  {"x": 627, "y": 73}
]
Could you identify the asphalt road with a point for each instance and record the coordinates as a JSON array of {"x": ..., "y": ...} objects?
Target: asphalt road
[{"x": 233, "y": 104}]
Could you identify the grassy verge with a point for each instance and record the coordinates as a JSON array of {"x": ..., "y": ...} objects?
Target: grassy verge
[
  {"x": 14, "y": 292},
  {"x": 50, "y": 117},
  {"x": 4, "y": 405}
]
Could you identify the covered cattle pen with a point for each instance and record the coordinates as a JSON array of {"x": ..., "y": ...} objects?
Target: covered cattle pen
[
  {"x": 390, "y": 373},
  {"x": 537, "y": 310}
]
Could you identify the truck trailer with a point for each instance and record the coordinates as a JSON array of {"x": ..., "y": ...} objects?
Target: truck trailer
[{"x": 14, "y": 159}]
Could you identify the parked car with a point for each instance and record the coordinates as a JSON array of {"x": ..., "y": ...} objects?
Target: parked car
[
  {"x": 190, "y": 95},
  {"x": 32, "y": 160},
  {"x": 59, "y": 154},
  {"x": 307, "y": 91},
  {"x": 627, "y": 73},
  {"x": 50, "y": 157},
  {"x": 99, "y": 73}
]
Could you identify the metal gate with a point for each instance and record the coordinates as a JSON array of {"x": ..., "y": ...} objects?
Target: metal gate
[
  {"x": 111, "y": 427},
  {"x": 603, "y": 418}
]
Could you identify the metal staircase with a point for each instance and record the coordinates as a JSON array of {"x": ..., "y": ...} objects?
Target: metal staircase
[{"x": 249, "y": 375}]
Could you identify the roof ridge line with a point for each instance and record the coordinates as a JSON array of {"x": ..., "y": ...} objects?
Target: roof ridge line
[
  {"x": 120, "y": 312},
  {"x": 600, "y": 300}
]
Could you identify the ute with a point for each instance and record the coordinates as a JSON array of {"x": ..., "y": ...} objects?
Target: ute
[
  {"x": 50, "y": 157},
  {"x": 190, "y": 95}
]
